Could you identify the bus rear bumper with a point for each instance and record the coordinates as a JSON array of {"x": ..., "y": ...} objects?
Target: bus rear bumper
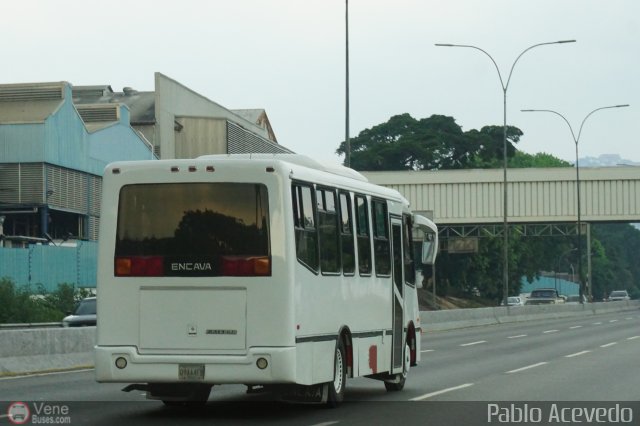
[{"x": 218, "y": 369}]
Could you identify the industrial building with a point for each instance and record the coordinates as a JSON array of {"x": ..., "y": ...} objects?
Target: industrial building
[{"x": 56, "y": 139}]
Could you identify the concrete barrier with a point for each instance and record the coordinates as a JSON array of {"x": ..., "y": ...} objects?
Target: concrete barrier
[
  {"x": 24, "y": 351},
  {"x": 463, "y": 318},
  {"x": 46, "y": 349}
]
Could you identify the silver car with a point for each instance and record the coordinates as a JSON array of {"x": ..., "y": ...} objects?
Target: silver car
[
  {"x": 84, "y": 314},
  {"x": 618, "y": 295}
]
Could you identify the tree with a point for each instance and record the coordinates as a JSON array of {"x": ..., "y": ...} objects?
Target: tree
[{"x": 436, "y": 142}]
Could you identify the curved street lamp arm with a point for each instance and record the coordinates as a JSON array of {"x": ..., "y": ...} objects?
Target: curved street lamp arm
[
  {"x": 598, "y": 109},
  {"x": 502, "y": 83},
  {"x": 504, "y": 88},
  {"x": 561, "y": 116},
  {"x": 526, "y": 50}
]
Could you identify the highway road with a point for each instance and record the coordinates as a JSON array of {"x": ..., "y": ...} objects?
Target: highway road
[{"x": 590, "y": 363}]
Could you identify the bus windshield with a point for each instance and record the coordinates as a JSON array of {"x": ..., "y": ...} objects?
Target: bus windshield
[{"x": 187, "y": 229}]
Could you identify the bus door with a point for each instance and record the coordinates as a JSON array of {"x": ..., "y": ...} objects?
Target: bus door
[{"x": 397, "y": 295}]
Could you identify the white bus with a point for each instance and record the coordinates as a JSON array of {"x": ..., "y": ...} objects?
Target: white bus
[{"x": 259, "y": 270}]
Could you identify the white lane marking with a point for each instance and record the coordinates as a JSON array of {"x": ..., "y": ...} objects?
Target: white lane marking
[
  {"x": 597, "y": 323},
  {"x": 426, "y": 350},
  {"x": 550, "y": 331},
  {"x": 474, "y": 343},
  {"x": 574, "y": 327},
  {"x": 633, "y": 338},
  {"x": 517, "y": 337},
  {"x": 608, "y": 344},
  {"x": 629, "y": 318},
  {"x": 440, "y": 392},
  {"x": 517, "y": 370},
  {"x": 613, "y": 320},
  {"x": 327, "y": 423},
  {"x": 577, "y": 354}
]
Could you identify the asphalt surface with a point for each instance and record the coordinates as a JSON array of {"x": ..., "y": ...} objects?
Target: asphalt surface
[{"x": 513, "y": 369}]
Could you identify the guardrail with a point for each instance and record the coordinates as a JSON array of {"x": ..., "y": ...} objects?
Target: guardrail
[
  {"x": 462, "y": 318},
  {"x": 50, "y": 347}
]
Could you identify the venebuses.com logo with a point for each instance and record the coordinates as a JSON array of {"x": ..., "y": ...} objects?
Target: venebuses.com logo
[{"x": 20, "y": 413}]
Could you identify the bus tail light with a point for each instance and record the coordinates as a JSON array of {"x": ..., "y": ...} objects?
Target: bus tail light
[
  {"x": 246, "y": 266},
  {"x": 147, "y": 266}
]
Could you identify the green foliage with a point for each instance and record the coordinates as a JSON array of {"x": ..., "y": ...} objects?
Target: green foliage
[
  {"x": 614, "y": 259},
  {"x": 541, "y": 159},
  {"x": 25, "y": 305},
  {"x": 436, "y": 142}
]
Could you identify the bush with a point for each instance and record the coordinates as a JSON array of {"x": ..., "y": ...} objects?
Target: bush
[{"x": 23, "y": 305}]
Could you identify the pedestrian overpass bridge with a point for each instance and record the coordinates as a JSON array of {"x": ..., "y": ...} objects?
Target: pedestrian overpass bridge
[{"x": 542, "y": 200}]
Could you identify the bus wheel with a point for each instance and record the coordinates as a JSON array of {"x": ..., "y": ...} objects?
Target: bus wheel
[
  {"x": 336, "y": 388},
  {"x": 397, "y": 383}
]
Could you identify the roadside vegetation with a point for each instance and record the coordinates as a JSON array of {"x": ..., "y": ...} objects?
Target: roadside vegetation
[{"x": 24, "y": 304}]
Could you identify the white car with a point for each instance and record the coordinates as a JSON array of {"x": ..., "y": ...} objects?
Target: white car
[
  {"x": 514, "y": 301},
  {"x": 618, "y": 295}
]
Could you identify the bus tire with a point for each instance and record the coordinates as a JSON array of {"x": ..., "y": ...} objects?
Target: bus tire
[
  {"x": 397, "y": 383},
  {"x": 336, "y": 388}
]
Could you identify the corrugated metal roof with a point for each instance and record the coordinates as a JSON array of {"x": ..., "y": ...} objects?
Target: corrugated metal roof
[
  {"x": 27, "y": 112},
  {"x": 29, "y": 102},
  {"x": 141, "y": 104},
  {"x": 252, "y": 115},
  {"x": 32, "y": 91},
  {"x": 258, "y": 117}
]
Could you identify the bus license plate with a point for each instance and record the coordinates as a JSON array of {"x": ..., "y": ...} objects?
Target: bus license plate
[{"x": 191, "y": 372}]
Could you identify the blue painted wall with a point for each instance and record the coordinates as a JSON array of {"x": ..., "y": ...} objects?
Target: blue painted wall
[
  {"x": 567, "y": 288},
  {"x": 49, "y": 265},
  {"x": 63, "y": 140}
]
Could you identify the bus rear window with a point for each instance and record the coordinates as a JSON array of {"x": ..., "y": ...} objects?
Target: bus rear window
[{"x": 193, "y": 229}]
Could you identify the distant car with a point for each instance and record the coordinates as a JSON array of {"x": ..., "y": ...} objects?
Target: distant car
[
  {"x": 513, "y": 301},
  {"x": 83, "y": 316},
  {"x": 574, "y": 299},
  {"x": 618, "y": 295},
  {"x": 544, "y": 296}
]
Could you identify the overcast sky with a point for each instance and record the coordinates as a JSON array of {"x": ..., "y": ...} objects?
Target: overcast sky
[{"x": 288, "y": 57}]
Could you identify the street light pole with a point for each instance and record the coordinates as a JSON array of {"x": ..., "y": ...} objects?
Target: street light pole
[
  {"x": 560, "y": 258},
  {"x": 505, "y": 86},
  {"x": 576, "y": 140},
  {"x": 346, "y": 124}
]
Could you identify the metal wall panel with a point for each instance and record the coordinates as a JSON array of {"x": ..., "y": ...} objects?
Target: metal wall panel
[
  {"x": 240, "y": 141},
  {"x": 21, "y": 183},
  {"x": 534, "y": 195},
  {"x": 67, "y": 189},
  {"x": 50, "y": 266}
]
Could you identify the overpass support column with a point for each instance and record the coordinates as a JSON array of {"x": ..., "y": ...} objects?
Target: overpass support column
[{"x": 589, "y": 278}]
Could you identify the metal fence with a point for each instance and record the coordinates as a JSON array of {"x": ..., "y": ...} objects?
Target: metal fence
[{"x": 48, "y": 266}]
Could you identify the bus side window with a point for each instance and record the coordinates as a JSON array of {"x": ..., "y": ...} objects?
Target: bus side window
[
  {"x": 346, "y": 235},
  {"x": 328, "y": 226},
  {"x": 305, "y": 226},
  {"x": 381, "y": 237},
  {"x": 364, "y": 236}
]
